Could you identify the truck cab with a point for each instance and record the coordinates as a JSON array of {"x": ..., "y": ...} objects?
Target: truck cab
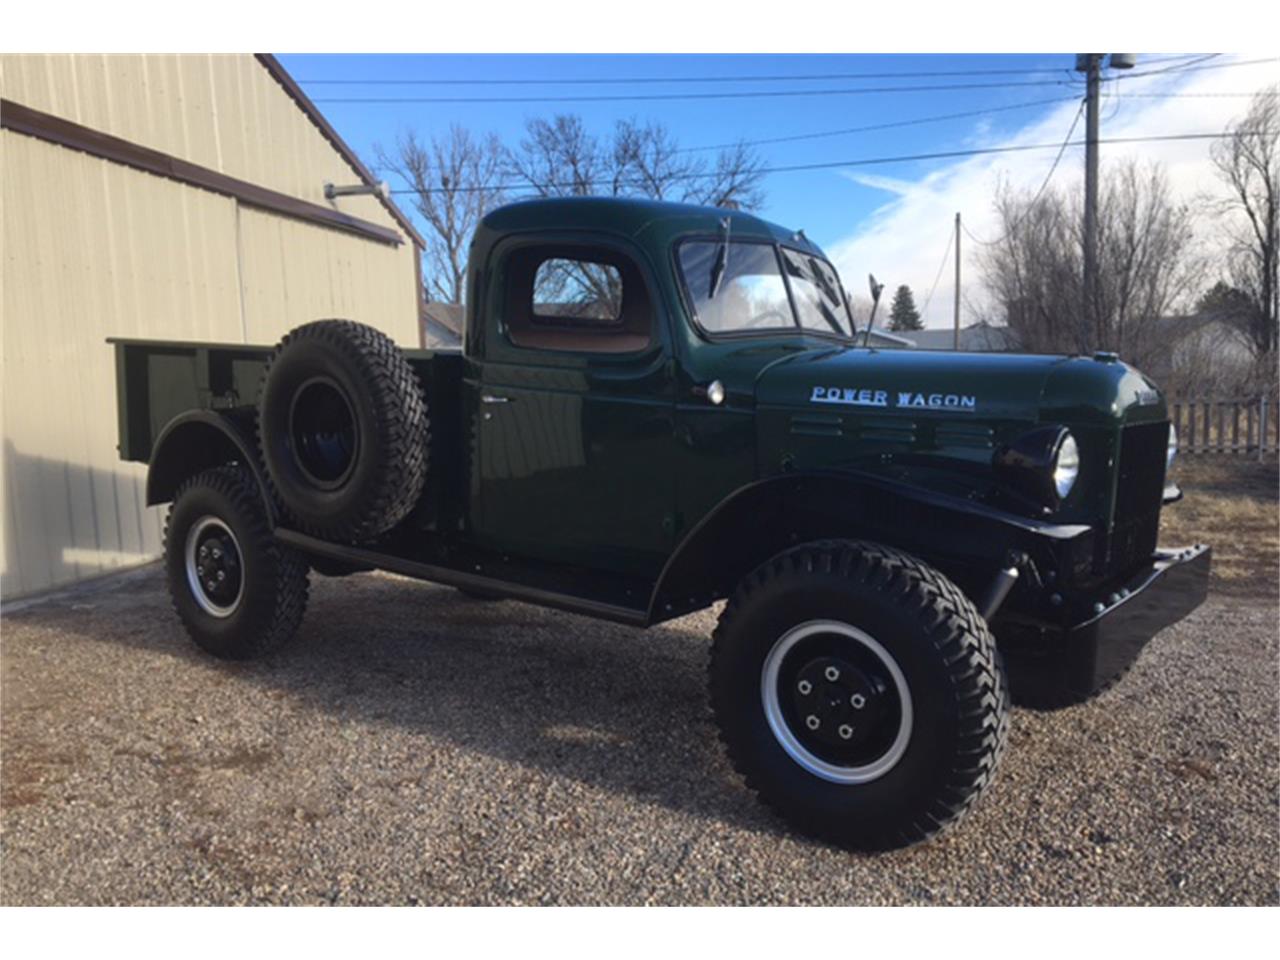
[{"x": 658, "y": 407}]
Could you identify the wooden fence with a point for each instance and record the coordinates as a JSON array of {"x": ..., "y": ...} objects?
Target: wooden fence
[{"x": 1242, "y": 426}]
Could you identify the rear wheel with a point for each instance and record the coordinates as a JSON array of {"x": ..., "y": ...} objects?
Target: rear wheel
[
  {"x": 859, "y": 693},
  {"x": 238, "y": 592}
]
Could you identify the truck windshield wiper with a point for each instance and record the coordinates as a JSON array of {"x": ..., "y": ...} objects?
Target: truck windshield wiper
[
  {"x": 831, "y": 319},
  {"x": 721, "y": 263}
]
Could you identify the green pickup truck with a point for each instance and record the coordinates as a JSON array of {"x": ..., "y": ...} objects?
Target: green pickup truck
[{"x": 658, "y": 407}]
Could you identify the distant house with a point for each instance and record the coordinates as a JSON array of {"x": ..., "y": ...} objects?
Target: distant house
[
  {"x": 442, "y": 324},
  {"x": 1198, "y": 352},
  {"x": 980, "y": 337}
]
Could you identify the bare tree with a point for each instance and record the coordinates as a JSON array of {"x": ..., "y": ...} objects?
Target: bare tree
[
  {"x": 559, "y": 157},
  {"x": 457, "y": 179},
  {"x": 1147, "y": 265},
  {"x": 1248, "y": 162}
]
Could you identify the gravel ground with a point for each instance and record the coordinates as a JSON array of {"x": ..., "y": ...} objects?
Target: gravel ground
[{"x": 414, "y": 746}]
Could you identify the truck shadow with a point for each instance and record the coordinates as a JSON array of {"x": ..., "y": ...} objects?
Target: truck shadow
[{"x": 616, "y": 708}]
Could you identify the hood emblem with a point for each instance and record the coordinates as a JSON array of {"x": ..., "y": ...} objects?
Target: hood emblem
[
  {"x": 850, "y": 397},
  {"x": 910, "y": 399}
]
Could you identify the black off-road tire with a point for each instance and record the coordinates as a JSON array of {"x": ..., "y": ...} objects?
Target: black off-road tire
[
  {"x": 343, "y": 430},
  {"x": 946, "y": 655},
  {"x": 274, "y": 578}
]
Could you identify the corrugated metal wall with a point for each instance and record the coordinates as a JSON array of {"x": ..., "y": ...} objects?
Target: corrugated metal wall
[{"x": 93, "y": 249}]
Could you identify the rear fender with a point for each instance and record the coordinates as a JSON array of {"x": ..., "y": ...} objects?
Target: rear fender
[
  {"x": 967, "y": 541},
  {"x": 196, "y": 441}
]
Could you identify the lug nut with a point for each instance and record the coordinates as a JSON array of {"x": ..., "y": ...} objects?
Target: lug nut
[
  {"x": 210, "y": 585},
  {"x": 845, "y": 731},
  {"x": 1098, "y": 608},
  {"x": 812, "y": 722},
  {"x": 804, "y": 686},
  {"x": 204, "y": 550},
  {"x": 832, "y": 674},
  {"x": 216, "y": 553},
  {"x": 857, "y": 701},
  {"x": 221, "y": 576}
]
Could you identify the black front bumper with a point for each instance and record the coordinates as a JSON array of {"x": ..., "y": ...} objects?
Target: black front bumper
[{"x": 1050, "y": 667}]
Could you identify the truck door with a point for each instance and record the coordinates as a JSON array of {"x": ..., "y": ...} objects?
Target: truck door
[{"x": 573, "y": 408}]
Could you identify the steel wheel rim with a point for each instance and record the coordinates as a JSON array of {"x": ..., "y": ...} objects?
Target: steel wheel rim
[
  {"x": 198, "y": 533},
  {"x": 323, "y": 433},
  {"x": 786, "y": 737}
]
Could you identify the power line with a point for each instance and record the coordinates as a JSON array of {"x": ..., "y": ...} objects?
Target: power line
[
  {"x": 740, "y": 78},
  {"x": 1177, "y": 96},
  {"x": 1035, "y": 199},
  {"x": 764, "y": 94},
  {"x": 892, "y": 125},
  {"x": 718, "y": 95},
  {"x": 951, "y": 237},
  {"x": 856, "y": 162},
  {"x": 1194, "y": 69},
  {"x": 880, "y": 126},
  {"x": 918, "y": 121}
]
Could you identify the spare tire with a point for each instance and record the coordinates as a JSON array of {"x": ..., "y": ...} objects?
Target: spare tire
[{"x": 342, "y": 427}]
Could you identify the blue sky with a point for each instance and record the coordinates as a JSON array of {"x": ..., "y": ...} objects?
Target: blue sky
[{"x": 892, "y": 219}]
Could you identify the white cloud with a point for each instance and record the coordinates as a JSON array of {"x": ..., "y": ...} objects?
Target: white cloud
[{"x": 903, "y": 241}]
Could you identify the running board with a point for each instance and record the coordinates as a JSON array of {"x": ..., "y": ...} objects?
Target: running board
[{"x": 453, "y": 577}]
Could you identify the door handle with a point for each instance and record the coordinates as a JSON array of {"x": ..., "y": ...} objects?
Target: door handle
[{"x": 492, "y": 398}]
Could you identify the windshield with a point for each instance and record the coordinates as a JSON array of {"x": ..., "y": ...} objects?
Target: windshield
[{"x": 752, "y": 294}]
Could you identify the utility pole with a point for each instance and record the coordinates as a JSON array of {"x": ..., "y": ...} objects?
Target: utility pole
[
  {"x": 1091, "y": 65},
  {"x": 1092, "y": 69},
  {"x": 957, "y": 336}
]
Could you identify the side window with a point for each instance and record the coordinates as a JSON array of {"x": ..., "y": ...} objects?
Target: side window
[
  {"x": 575, "y": 299},
  {"x": 578, "y": 290}
]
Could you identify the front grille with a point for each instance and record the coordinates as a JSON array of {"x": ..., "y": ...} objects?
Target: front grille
[{"x": 1135, "y": 525}]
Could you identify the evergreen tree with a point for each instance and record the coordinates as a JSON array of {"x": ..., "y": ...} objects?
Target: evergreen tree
[{"x": 903, "y": 315}]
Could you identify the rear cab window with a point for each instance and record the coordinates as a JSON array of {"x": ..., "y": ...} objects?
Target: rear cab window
[{"x": 575, "y": 299}]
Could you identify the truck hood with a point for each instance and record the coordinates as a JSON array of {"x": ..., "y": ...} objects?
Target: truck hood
[{"x": 986, "y": 386}]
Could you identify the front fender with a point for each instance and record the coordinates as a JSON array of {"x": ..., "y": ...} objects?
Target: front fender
[
  {"x": 968, "y": 541},
  {"x": 198, "y": 440}
]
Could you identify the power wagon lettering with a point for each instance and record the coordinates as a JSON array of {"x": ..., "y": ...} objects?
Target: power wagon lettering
[
  {"x": 852, "y": 397},
  {"x": 939, "y": 401}
]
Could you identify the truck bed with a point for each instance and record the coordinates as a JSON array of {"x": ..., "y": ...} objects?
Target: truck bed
[{"x": 156, "y": 380}]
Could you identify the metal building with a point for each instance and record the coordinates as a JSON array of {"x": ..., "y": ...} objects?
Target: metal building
[{"x": 170, "y": 197}]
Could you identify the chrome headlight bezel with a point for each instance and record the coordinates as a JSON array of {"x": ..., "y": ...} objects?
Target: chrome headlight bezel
[
  {"x": 1041, "y": 465},
  {"x": 1066, "y": 465}
]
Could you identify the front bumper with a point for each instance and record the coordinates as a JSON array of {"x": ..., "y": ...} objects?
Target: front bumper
[{"x": 1050, "y": 667}]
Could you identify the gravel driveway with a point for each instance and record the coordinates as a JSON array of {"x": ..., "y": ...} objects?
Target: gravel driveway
[{"x": 414, "y": 746}]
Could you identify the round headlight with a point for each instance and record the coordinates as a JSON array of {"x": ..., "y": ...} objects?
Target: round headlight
[
  {"x": 1066, "y": 466},
  {"x": 1173, "y": 447}
]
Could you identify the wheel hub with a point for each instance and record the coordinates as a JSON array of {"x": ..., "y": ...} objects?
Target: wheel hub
[
  {"x": 837, "y": 701},
  {"x": 215, "y": 571},
  {"x": 840, "y": 703}
]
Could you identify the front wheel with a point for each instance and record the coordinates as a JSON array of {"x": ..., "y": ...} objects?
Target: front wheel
[
  {"x": 859, "y": 693},
  {"x": 239, "y": 593}
]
